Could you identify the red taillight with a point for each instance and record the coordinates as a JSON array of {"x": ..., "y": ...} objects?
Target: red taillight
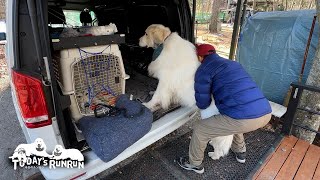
[{"x": 31, "y": 100}]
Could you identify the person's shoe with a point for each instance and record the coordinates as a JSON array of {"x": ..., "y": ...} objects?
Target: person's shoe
[
  {"x": 241, "y": 157},
  {"x": 184, "y": 163}
]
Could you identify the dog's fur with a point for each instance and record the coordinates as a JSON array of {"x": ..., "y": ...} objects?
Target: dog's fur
[
  {"x": 221, "y": 146},
  {"x": 37, "y": 148},
  {"x": 61, "y": 153},
  {"x": 175, "y": 69}
]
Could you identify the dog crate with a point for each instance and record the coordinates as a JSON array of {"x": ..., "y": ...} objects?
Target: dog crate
[{"x": 89, "y": 75}]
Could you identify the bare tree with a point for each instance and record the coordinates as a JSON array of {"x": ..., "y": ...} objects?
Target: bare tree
[
  {"x": 203, "y": 5},
  {"x": 292, "y": 5},
  {"x": 213, "y": 27},
  {"x": 310, "y": 4},
  {"x": 209, "y": 5},
  {"x": 301, "y": 3},
  {"x": 274, "y": 4},
  {"x": 2, "y": 9}
]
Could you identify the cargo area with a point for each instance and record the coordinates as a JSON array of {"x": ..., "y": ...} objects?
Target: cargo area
[{"x": 96, "y": 54}]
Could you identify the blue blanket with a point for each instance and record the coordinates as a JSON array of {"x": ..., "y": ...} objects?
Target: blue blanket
[{"x": 109, "y": 136}]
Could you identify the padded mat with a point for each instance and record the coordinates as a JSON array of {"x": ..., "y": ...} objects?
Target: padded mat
[{"x": 159, "y": 163}]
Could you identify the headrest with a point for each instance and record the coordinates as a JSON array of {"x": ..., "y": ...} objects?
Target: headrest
[
  {"x": 56, "y": 15},
  {"x": 85, "y": 17}
]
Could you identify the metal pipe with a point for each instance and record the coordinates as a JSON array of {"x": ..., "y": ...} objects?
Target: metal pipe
[
  {"x": 309, "y": 110},
  {"x": 243, "y": 13},
  {"x": 194, "y": 20},
  {"x": 306, "y": 87},
  {"x": 291, "y": 110},
  {"x": 235, "y": 29},
  {"x": 306, "y": 128},
  {"x": 307, "y": 48}
]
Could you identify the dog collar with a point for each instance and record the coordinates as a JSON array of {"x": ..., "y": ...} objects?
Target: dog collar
[
  {"x": 57, "y": 153},
  {"x": 39, "y": 149},
  {"x": 157, "y": 51}
]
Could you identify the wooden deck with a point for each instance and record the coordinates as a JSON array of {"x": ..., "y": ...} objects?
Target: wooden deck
[{"x": 292, "y": 159}]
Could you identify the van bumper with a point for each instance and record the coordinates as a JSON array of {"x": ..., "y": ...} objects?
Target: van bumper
[{"x": 94, "y": 165}]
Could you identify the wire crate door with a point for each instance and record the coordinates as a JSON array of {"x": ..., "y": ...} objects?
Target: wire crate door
[{"x": 97, "y": 79}]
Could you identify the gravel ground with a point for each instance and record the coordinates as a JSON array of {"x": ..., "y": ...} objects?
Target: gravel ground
[
  {"x": 4, "y": 83},
  {"x": 10, "y": 135}
]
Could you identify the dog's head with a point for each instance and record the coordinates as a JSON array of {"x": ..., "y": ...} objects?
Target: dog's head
[
  {"x": 21, "y": 151},
  {"x": 154, "y": 35},
  {"x": 40, "y": 145},
  {"x": 57, "y": 150}
]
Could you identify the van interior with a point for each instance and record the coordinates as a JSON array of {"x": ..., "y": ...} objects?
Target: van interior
[{"x": 131, "y": 18}]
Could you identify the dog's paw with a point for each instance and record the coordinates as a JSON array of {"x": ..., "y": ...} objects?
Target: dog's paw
[
  {"x": 214, "y": 155},
  {"x": 154, "y": 108},
  {"x": 147, "y": 105}
]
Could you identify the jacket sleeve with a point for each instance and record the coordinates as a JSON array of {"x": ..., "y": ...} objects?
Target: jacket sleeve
[{"x": 202, "y": 86}]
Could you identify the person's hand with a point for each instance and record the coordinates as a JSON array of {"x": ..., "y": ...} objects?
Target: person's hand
[{"x": 209, "y": 111}]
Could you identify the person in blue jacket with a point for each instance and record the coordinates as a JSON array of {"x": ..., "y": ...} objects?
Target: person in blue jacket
[{"x": 242, "y": 106}]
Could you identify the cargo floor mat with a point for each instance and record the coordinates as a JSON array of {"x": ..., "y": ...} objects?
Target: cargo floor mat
[
  {"x": 140, "y": 87},
  {"x": 159, "y": 163}
]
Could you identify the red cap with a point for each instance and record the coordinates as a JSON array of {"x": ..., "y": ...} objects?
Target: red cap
[{"x": 205, "y": 49}]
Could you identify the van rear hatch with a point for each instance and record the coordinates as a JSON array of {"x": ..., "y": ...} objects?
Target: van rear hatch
[{"x": 34, "y": 76}]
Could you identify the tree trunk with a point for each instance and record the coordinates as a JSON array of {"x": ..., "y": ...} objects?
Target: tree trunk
[
  {"x": 213, "y": 27},
  {"x": 228, "y": 3},
  {"x": 310, "y": 100},
  {"x": 209, "y": 6},
  {"x": 309, "y": 7},
  {"x": 203, "y": 5},
  {"x": 2, "y": 9},
  {"x": 292, "y": 5},
  {"x": 301, "y": 3}
]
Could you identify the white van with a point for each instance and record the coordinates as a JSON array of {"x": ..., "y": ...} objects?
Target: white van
[{"x": 45, "y": 107}]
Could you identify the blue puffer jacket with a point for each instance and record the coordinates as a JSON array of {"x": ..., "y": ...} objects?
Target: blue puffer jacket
[{"x": 235, "y": 93}]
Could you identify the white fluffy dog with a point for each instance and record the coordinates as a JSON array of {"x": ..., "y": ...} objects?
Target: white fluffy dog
[
  {"x": 41, "y": 148},
  {"x": 101, "y": 30},
  {"x": 175, "y": 67},
  {"x": 61, "y": 153},
  {"x": 37, "y": 148},
  {"x": 221, "y": 146}
]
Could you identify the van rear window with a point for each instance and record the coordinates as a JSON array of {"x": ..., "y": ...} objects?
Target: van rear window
[{"x": 73, "y": 17}]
